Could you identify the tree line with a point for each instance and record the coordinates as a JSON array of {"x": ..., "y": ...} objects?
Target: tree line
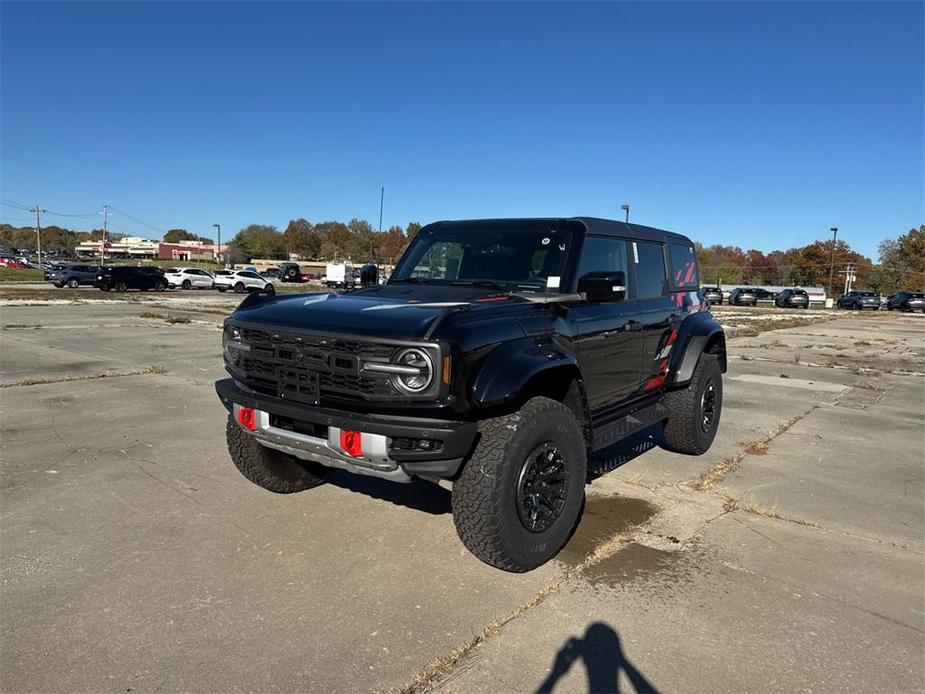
[
  {"x": 901, "y": 260},
  {"x": 355, "y": 241},
  {"x": 901, "y": 265}
]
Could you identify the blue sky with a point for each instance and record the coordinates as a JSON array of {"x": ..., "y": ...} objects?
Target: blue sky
[{"x": 756, "y": 124}]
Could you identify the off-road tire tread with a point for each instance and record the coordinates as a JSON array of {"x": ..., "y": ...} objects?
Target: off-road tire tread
[
  {"x": 681, "y": 429},
  {"x": 254, "y": 462},
  {"x": 477, "y": 500}
]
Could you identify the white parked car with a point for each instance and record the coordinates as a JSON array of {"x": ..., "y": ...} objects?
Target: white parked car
[
  {"x": 243, "y": 281},
  {"x": 188, "y": 278}
]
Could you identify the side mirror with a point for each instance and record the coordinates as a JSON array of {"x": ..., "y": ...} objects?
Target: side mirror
[{"x": 603, "y": 287}]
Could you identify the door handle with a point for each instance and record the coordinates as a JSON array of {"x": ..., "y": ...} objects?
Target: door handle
[{"x": 633, "y": 326}]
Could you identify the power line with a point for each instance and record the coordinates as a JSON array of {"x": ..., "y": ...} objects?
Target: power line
[
  {"x": 10, "y": 203},
  {"x": 135, "y": 219}
]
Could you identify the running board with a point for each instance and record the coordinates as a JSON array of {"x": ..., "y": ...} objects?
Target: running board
[{"x": 622, "y": 427}]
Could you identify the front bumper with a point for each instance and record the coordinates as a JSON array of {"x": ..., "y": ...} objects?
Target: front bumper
[{"x": 452, "y": 441}]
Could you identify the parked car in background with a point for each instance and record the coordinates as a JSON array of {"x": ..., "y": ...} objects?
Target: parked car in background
[
  {"x": 9, "y": 262},
  {"x": 859, "y": 300},
  {"x": 72, "y": 275},
  {"x": 290, "y": 272},
  {"x": 712, "y": 295},
  {"x": 338, "y": 275},
  {"x": 121, "y": 278},
  {"x": 243, "y": 281},
  {"x": 792, "y": 298},
  {"x": 188, "y": 278},
  {"x": 743, "y": 296},
  {"x": 906, "y": 301},
  {"x": 764, "y": 295},
  {"x": 271, "y": 273}
]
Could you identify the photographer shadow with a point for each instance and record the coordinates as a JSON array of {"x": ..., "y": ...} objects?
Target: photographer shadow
[{"x": 603, "y": 658}]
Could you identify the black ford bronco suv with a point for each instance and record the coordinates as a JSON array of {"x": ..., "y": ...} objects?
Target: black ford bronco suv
[{"x": 499, "y": 355}]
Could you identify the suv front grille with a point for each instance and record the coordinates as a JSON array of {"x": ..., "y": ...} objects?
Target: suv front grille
[{"x": 302, "y": 367}]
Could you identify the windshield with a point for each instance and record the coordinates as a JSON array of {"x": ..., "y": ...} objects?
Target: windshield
[{"x": 523, "y": 258}]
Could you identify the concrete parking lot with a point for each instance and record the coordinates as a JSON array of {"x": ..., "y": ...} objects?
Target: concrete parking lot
[{"x": 134, "y": 556}]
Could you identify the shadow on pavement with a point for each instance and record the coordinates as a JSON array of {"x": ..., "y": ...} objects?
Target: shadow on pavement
[
  {"x": 418, "y": 495},
  {"x": 603, "y": 659}
]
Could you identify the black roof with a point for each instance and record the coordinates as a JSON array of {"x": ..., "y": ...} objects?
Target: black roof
[{"x": 594, "y": 225}]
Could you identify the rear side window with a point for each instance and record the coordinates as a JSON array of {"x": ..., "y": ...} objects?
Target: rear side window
[
  {"x": 602, "y": 255},
  {"x": 683, "y": 266},
  {"x": 649, "y": 261}
]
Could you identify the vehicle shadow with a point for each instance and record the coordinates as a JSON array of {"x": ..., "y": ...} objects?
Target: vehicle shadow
[
  {"x": 418, "y": 495},
  {"x": 622, "y": 452},
  {"x": 603, "y": 659}
]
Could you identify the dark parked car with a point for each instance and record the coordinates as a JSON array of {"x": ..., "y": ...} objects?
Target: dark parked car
[
  {"x": 906, "y": 301},
  {"x": 859, "y": 300},
  {"x": 290, "y": 272},
  {"x": 744, "y": 296},
  {"x": 499, "y": 355},
  {"x": 72, "y": 275},
  {"x": 792, "y": 298},
  {"x": 712, "y": 295},
  {"x": 764, "y": 295},
  {"x": 121, "y": 278}
]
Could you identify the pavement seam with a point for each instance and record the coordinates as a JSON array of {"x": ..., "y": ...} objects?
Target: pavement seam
[
  {"x": 152, "y": 369},
  {"x": 441, "y": 669},
  {"x": 758, "y": 446}
]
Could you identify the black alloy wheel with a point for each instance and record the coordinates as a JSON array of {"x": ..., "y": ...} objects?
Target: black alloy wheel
[
  {"x": 120, "y": 287},
  {"x": 708, "y": 406},
  {"x": 542, "y": 487}
]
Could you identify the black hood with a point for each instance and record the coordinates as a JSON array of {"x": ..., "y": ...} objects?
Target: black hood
[{"x": 390, "y": 311}]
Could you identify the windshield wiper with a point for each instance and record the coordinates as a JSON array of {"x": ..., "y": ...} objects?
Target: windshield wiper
[
  {"x": 491, "y": 284},
  {"x": 404, "y": 280}
]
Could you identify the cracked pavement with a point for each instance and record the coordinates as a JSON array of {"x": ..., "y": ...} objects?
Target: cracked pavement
[{"x": 134, "y": 556}]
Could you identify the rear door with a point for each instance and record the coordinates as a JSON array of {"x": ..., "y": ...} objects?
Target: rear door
[
  {"x": 609, "y": 339},
  {"x": 656, "y": 307}
]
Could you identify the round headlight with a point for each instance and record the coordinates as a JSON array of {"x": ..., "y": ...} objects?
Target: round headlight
[
  {"x": 231, "y": 337},
  {"x": 414, "y": 382}
]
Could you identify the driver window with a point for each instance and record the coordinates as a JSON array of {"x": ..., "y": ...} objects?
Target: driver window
[{"x": 602, "y": 254}]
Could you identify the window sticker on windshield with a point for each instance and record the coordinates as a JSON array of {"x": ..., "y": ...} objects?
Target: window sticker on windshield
[
  {"x": 552, "y": 282},
  {"x": 635, "y": 253},
  {"x": 545, "y": 241}
]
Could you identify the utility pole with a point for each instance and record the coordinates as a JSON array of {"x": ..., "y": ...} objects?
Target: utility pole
[
  {"x": 103, "y": 244},
  {"x": 381, "y": 202},
  {"x": 834, "y": 231},
  {"x": 219, "y": 227},
  {"x": 38, "y": 230}
]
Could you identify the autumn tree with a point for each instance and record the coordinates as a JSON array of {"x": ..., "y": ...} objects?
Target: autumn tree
[
  {"x": 259, "y": 241},
  {"x": 301, "y": 239},
  {"x": 392, "y": 244}
]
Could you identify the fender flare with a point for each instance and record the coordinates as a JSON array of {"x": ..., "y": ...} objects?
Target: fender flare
[
  {"x": 503, "y": 373},
  {"x": 698, "y": 333}
]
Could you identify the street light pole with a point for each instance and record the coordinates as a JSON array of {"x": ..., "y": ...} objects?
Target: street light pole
[
  {"x": 219, "y": 227},
  {"x": 626, "y": 208},
  {"x": 834, "y": 231}
]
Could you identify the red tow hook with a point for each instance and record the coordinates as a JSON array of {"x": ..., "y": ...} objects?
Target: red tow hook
[
  {"x": 247, "y": 418},
  {"x": 352, "y": 442}
]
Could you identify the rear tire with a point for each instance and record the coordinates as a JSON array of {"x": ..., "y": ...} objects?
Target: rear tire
[
  {"x": 222, "y": 289},
  {"x": 694, "y": 411},
  {"x": 518, "y": 499},
  {"x": 270, "y": 469}
]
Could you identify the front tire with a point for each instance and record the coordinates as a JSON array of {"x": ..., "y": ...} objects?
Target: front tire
[
  {"x": 270, "y": 469},
  {"x": 186, "y": 284},
  {"x": 518, "y": 499},
  {"x": 121, "y": 287},
  {"x": 239, "y": 288},
  {"x": 694, "y": 411},
  {"x": 222, "y": 289},
  {"x": 73, "y": 283}
]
